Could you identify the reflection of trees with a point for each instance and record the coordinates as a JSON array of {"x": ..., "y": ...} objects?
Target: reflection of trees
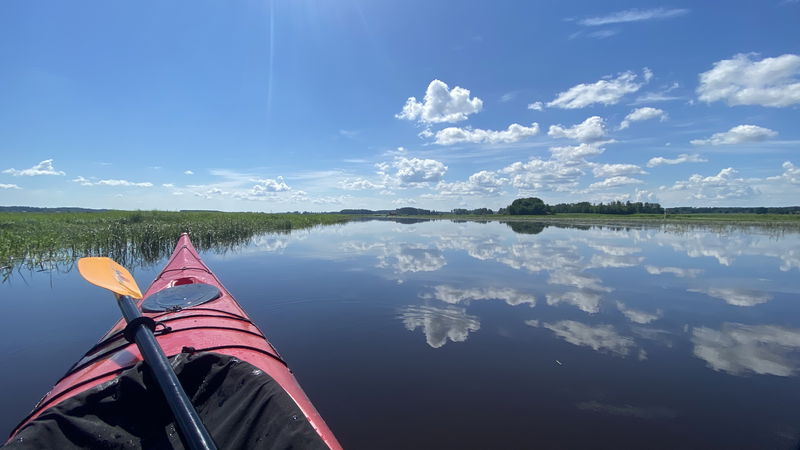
[
  {"x": 738, "y": 349},
  {"x": 527, "y": 227},
  {"x": 440, "y": 324}
]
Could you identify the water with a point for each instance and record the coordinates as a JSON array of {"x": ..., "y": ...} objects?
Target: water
[{"x": 489, "y": 335}]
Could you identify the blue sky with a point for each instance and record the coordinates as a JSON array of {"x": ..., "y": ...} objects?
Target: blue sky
[{"x": 307, "y": 105}]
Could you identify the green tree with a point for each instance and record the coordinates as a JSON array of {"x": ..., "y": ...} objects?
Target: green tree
[{"x": 528, "y": 206}]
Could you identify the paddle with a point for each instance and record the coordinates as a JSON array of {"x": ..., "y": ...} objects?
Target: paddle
[{"x": 106, "y": 273}]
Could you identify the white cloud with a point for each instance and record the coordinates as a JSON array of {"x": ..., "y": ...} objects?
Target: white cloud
[
  {"x": 357, "y": 184},
  {"x": 640, "y": 114},
  {"x": 536, "y": 106},
  {"x": 454, "y": 295},
  {"x": 412, "y": 172},
  {"x": 404, "y": 201},
  {"x": 270, "y": 185},
  {"x": 111, "y": 182},
  {"x": 168, "y": 185},
  {"x": 724, "y": 185},
  {"x": 514, "y": 133},
  {"x": 739, "y": 349},
  {"x": 480, "y": 183},
  {"x": 440, "y": 324},
  {"x": 538, "y": 174},
  {"x": 590, "y": 130},
  {"x": 607, "y": 91},
  {"x": 736, "y": 296},
  {"x": 740, "y": 134},
  {"x": 9, "y": 186},
  {"x": 601, "y": 338},
  {"x": 662, "y": 95},
  {"x": 615, "y": 182},
  {"x": 682, "y": 158},
  {"x": 638, "y": 316},
  {"x": 441, "y": 105},
  {"x": 577, "y": 152},
  {"x": 633, "y": 15},
  {"x": 790, "y": 175},
  {"x": 615, "y": 170},
  {"x": 43, "y": 168},
  {"x": 188, "y": 172},
  {"x": 742, "y": 81}
]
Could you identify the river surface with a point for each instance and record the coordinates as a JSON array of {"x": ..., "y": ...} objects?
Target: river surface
[{"x": 488, "y": 335}]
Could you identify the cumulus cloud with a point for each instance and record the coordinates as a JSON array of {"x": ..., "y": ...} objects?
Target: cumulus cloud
[
  {"x": 740, "y": 134},
  {"x": 440, "y": 324},
  {"x": 640, "y": 114},
  {"x": 188, "y": 172},
  {"x": 546, "y": 175},
  {"x": 791, "y": 174},
  {"x": 590, "y": 130},
  {"x": 739, "y": 349},
  {"x": 615, "y": 182},
  {"x": 576, "y": 152},
  {"x": 412, "y": 172},
  {"x": 111, "y": 182},
  {"x": 724, "y": 185},
  {"x": 615, "y": 170},
  {"x": 743, "y": 81},
  {"x": 9, "y": 186},
  {"x": 480, "y": 183},
  {"x": 633, "y": 15},
  {"x": 682, "y": 158},
  {"x": 607, "y": 91},
  {"x": 514, "y": 133},
  {"x": 536, "y": 106},
  {"x": 271, "y": 185},
  {"x": 441, "y": 105},
  {"x": 43, "y": 168},
  {"x": 357, "y": 184}
]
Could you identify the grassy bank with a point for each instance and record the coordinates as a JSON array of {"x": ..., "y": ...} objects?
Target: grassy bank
[
  {"x": 43, "y": 239},
  {"x": 747, "y": 219}
]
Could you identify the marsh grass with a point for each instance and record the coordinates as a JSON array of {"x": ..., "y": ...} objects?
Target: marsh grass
[{"x": 53, "y": 241}]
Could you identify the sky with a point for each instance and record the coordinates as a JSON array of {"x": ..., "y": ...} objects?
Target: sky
[{"x": 321, "y": 105}]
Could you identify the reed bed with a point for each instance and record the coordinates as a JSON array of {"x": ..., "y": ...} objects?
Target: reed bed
[{"x": 46, "y": 241}]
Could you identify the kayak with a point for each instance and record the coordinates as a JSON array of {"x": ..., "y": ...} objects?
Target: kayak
[{"x": 242, "y": 389}]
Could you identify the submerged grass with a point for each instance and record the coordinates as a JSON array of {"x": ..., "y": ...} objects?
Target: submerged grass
[{"x": 46, "y": 240}]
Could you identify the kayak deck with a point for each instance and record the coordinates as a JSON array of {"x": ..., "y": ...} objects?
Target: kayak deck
[{"x": 219, "y": 326}]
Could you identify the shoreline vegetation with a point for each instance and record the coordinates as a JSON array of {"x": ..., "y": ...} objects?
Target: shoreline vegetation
[{"x": 52, "y": 240}]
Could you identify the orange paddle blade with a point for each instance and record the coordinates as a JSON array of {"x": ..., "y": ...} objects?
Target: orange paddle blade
[{"x": 106, "y": 273}]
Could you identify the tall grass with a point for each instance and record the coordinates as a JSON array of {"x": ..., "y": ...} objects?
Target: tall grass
[{"x": 45, "y": 240}]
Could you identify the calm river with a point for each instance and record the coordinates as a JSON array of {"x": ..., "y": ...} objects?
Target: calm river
[{"x": 489, "y": 335}]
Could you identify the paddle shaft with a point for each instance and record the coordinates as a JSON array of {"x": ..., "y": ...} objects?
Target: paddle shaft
[{"x": 195, "y": 434}]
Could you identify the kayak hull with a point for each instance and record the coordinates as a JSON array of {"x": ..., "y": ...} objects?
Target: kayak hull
[{"x": 218, "y": 326}]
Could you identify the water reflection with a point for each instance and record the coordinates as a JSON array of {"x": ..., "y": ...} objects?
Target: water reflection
[
  {"x": 440, "y": 324},
  {"x": 739, "y": 349},
  {"x": 600, "y": 338}
]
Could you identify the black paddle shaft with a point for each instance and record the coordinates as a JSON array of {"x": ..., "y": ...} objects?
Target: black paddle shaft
[{"x": 195, "y": 434}]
